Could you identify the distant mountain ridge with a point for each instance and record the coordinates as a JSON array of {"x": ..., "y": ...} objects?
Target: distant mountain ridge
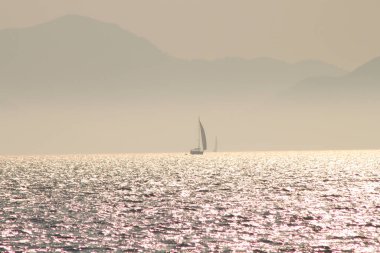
[
  {"x": 75, "y": 55},
  {"x": 74, "y": 45},
  {"x": 79, "y": 85},
  {"x": 361, "y": 83},
  {"x": 371, "y": 68}
]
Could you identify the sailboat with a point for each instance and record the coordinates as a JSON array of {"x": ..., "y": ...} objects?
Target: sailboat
[
  {"x": 216, "y": 145},
  {"x": 201, "y": 140}
]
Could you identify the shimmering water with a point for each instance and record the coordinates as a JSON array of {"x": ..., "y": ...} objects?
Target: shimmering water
[{"x": 225, "y": 202}]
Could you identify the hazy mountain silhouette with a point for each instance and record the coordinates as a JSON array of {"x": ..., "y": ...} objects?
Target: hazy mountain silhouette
[
  {"x": 70, "y": 55},
  {"x": 79, "y": 85},
  {"x": 76, "y": 56},
  {"x": 361, "y": 83}
]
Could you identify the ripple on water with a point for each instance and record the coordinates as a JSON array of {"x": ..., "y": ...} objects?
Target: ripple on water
[{"x": 255, "y": 202}]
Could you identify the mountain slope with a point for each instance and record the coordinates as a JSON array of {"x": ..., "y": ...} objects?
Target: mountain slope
[
  {"x": 79, "y": 85},
  {"x": 76, "y": 56},
  {"x": 361, "y": 83},
  {"x": 73, "y": 41}
]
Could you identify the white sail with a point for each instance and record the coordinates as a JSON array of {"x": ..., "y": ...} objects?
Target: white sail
[
  {"x": 216, "y": 145},
  {"x": 202, "y": 141},
  {"x": 203, "y": 136}
]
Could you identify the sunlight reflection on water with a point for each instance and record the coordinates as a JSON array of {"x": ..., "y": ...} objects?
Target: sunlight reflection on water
[{"x": 268, "y": 201}]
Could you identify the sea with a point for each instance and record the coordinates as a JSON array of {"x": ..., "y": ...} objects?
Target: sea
[{"x": 300, "y": 201}]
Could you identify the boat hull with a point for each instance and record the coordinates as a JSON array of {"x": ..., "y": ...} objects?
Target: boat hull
[{"x": 196, "y": 152}]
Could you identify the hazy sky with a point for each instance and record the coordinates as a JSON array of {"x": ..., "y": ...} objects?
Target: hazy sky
[{"x": 341, "y": 32}]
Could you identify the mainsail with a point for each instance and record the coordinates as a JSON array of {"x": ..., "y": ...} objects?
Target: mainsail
[
  {"x": 202, "y": 142},
  {"x": 203, "y": 136}
]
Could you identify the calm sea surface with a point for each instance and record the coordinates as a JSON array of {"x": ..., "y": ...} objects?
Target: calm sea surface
[{"x": 224, "y": 202}]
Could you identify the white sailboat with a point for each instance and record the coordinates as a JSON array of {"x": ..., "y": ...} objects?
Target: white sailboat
[
  {"x": 216, "y": 145},
  {"x": 201, "y": 140}
]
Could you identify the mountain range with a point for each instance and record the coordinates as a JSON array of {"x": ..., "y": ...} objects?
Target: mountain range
[
  {"x": 76, "y": 57},
  {"x": 76, "y": 84},
  {"x": 363, "y": 83}
]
